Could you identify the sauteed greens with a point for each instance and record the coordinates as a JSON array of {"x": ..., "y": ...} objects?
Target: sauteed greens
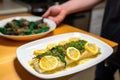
[{"x": 24, "y": 27}]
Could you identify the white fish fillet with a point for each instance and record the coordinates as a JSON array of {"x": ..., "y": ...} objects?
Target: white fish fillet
[{"x": 61, "y": 64}]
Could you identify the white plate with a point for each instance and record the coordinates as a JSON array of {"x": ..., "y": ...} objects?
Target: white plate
[
  {"x": 25, "y": 54},
  {"x": 28, "y": 37}
]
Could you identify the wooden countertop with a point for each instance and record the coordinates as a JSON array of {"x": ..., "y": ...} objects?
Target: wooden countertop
[{"x": 10, "y": 68}]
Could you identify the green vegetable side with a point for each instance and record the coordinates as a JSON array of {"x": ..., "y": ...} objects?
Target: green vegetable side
[{"x": 24, "y": 27}]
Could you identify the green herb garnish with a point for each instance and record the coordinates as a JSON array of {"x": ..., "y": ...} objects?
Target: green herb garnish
[{"x": 60, "y": 50}]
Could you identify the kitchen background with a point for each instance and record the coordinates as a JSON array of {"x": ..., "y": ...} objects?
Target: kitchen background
[
  {"x": 89, "y": 20},
  {"x": 83, "y": 20}
]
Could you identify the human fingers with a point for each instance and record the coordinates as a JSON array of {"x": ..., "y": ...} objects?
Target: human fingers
[
  {"x": 47, "y": 13},
  {"x": 53, "y": 19},
  {"x": 52, "y": 11},
  {"x": 55, "y": 13},
  {"x": 59, "y": 18}
]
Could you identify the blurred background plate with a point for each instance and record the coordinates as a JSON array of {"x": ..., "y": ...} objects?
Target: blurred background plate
[{"x": 51, "y": 24}]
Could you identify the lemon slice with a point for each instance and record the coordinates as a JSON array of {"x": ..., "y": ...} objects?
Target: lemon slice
[
  {"x": 92, "y": 48},
  {"x": 63, "y": 42},
  {"x": 48, "y": 63},
  {"x": 74, "y": 39},
  {"x": 51, "y": 45},
  {"x": 73, "y": 53},
  {"x": 38, "y": 52}
]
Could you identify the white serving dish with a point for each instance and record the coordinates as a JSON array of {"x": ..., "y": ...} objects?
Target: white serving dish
[{"x": 25, "y": 54}]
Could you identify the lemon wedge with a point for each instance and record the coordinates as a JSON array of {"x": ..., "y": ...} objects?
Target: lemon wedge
[
  {"x": 63, "y": 42},
  {"x": 48, "y": 63},
  {"x": 73, "y": 53},
  {"x": 74, "y": 39},
  {"x": 38, "y": 52},
  {"x": 51, "y": 45},
  {"x": 92, "y": 48}
]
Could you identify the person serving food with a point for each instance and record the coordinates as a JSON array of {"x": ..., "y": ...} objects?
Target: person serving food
[{"x": 110, "y": 29}]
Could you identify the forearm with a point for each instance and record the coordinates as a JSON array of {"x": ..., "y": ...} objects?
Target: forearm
[{"x": 73, "y": 6}]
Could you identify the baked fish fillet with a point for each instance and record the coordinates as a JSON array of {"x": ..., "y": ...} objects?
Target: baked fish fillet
[{"x": 84, "y": 55}]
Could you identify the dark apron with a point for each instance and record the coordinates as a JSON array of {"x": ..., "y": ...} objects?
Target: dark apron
[{"x": 111, "y": 27}]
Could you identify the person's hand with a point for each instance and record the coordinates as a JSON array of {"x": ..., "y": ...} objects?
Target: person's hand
[{"x": 55, "y": 13}]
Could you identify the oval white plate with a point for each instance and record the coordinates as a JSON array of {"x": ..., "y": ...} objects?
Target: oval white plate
[
  {"x": 28, "y": 37},
  {"x": 25, "y": 54}
]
